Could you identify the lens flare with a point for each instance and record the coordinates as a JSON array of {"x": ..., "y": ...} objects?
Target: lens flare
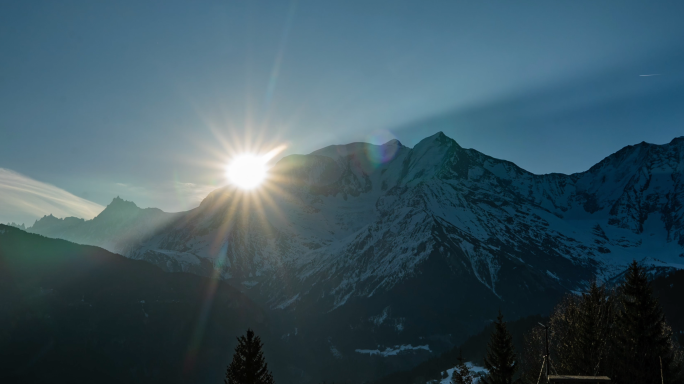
[{"x": 384, "y": 149}]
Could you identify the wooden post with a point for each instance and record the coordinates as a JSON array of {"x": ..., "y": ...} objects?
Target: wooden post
[
  {"x": 547, "y": 354},
  {"x": 548, "y": 362},
  {"x": 662, "y": 380}
]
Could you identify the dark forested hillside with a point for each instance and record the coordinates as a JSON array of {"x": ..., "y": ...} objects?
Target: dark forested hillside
[
  {"x": 79, "y": 314},
  {"x": 473, "y": 349},
  {"x": 670, "y": 293}
]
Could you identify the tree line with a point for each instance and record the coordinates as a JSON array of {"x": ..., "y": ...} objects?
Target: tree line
[{"x": 620, "y": 333}]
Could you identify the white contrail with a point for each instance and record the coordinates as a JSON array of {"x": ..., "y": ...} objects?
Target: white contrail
[
  {"x": 652, "y": 74},
  {"x": 23, "y": 198}
]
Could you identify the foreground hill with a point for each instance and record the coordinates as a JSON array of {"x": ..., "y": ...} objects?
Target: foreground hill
[
  {"x": 79, "y": 314},
  {"x": 388, "y": 248}
]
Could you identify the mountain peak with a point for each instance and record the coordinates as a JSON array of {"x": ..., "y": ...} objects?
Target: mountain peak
[
  {"x": 45, "y": 220},
  {"x": 118, "y": 202},
  {"x": 393, "y": 143},
  {"x": 50, "y": 222},
  {"x": 437, "y": 140},
  {"x": 642, "y": 152},
  {"x": 118, "y": 207},
  {"x": 677, "y": 140}
]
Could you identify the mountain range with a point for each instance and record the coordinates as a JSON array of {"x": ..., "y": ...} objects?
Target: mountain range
[{"x": 361, "y": 248}]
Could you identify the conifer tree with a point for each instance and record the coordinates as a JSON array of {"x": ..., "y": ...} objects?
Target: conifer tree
[
  {"x": 643, "y": 335},
  {"x": 581, "y": 327},
  {"x": 248, "y": 365},
  {"x": 461, "y": 374},
  {"x": 620, "y": 334},
  {"x": 501, "y": 357}
]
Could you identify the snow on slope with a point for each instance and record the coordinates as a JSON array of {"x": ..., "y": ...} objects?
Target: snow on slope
[
  {"x": 393, "y": 351},
  {"x": 476, "y": 370}
]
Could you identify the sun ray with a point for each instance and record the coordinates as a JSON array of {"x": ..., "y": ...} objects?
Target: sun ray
[{"x": 250, "y": 198}]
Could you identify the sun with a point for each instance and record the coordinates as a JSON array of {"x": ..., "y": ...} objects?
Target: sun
[{"x": 247, "y": 171}]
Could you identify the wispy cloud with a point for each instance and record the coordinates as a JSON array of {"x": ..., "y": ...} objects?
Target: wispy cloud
[
  {"x": 649, "y": 75},
  {"x": 24, "y": 199}
]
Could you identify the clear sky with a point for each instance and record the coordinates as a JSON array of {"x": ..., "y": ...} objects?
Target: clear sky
[{"x": 145, "y": 99}]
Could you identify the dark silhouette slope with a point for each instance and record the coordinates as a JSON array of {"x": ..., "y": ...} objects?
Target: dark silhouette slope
[{"x": 73, "y": 313}]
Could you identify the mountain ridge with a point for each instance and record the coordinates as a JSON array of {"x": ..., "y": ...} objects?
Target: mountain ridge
[
  {"x": 448, "y": 160},
  {"x": 348, "y": 233}
]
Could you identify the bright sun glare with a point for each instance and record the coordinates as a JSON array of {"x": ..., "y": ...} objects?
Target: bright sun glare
[{"x": 247, "y": 171}]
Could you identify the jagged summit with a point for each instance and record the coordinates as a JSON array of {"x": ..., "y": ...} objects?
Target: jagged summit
[
  {"x": 120, "y": 209},
  {"x": 48, "y": 222},
  {"x": 119, "y": 225},
  {"x": 119, "y": 205},
  {"x": 17, "y": 225}
]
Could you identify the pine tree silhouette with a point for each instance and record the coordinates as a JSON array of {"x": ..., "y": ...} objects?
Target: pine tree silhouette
[
  {"x": 643, "y": 335},
  {"x": 248, "y": 365},
  {"x": 461, "y": 374},
  {"x": 500, "y": 360},
  {"x": 586, "y": 349}
]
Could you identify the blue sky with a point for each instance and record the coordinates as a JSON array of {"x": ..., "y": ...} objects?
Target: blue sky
[{"x": 131, "y": 98}]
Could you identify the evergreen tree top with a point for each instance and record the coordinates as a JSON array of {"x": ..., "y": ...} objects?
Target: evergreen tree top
[
  {"x": 249, "y": 365},
  {"x": 501, "y": 358},
  {"x": 644, "y": 339}
]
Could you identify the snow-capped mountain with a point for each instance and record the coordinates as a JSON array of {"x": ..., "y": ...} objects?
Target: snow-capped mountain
[
  {"x": 419, "y": 242},
  {"x": 360, "y": 219}
]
